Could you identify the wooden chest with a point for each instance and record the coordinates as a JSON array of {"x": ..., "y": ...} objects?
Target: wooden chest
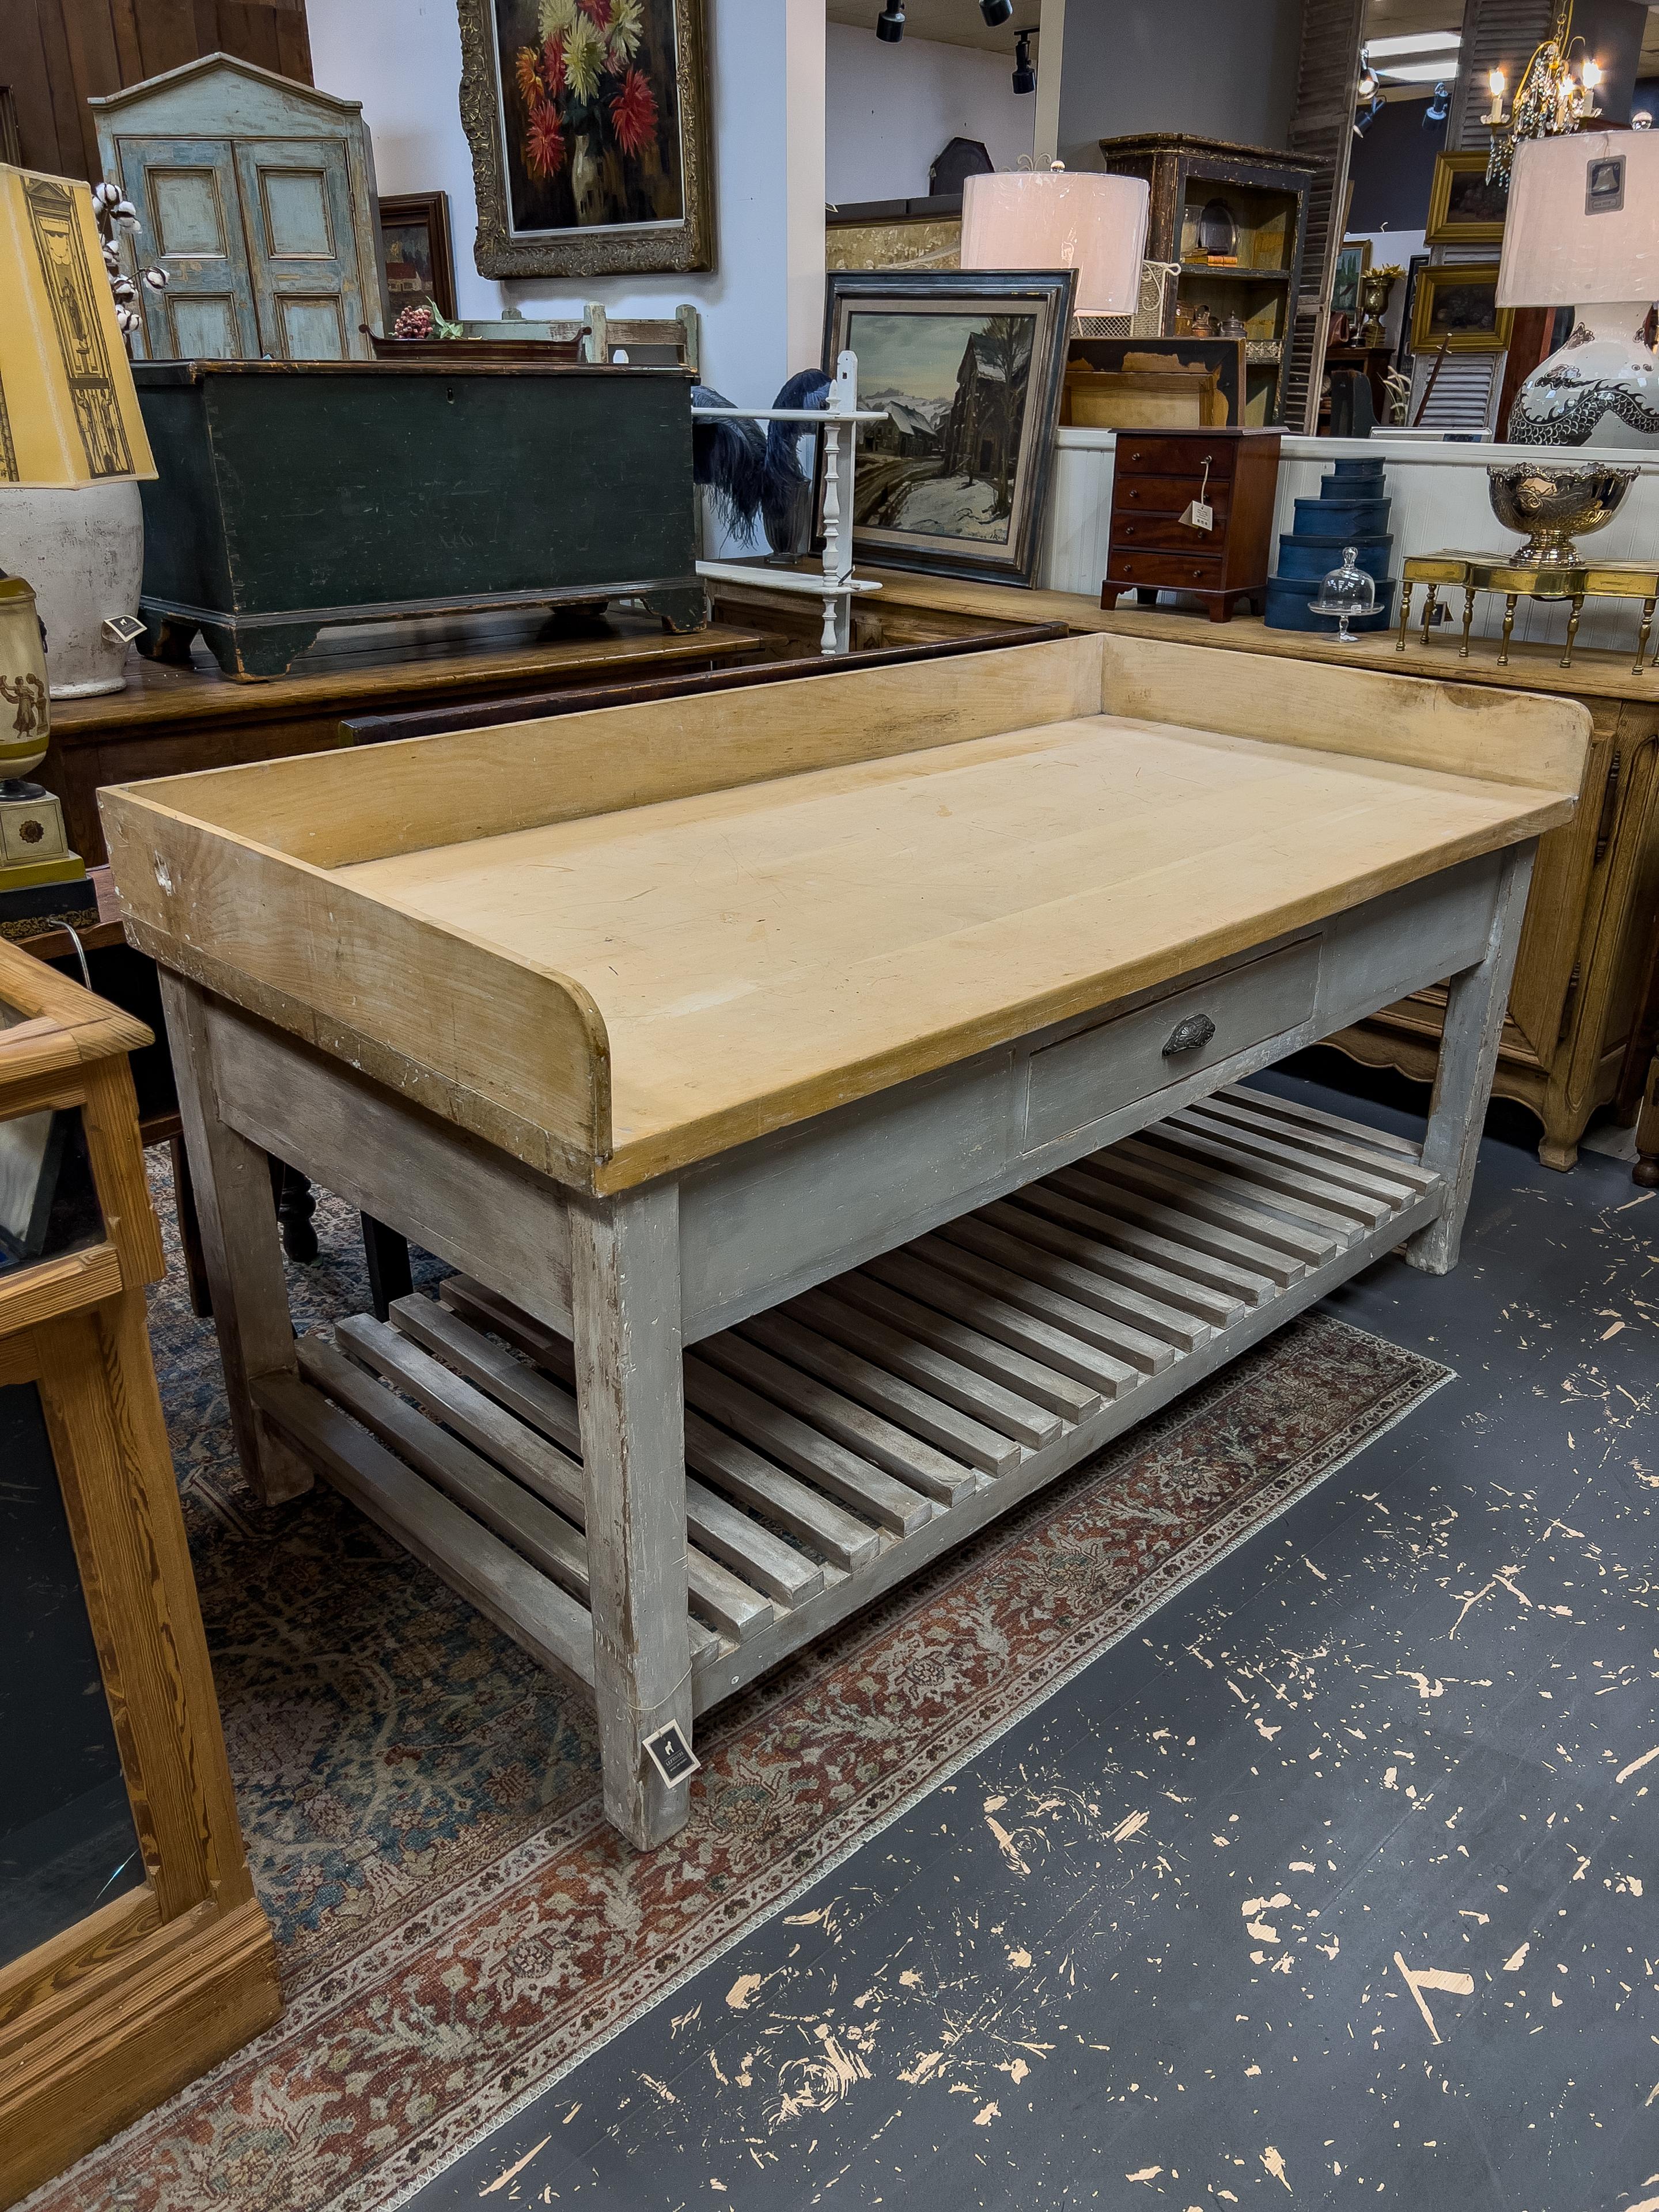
[
  {"x": 1158, "y": 474},
  {"x": 294, "y": 495}
]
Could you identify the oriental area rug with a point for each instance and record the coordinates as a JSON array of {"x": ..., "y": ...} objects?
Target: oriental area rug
[{"x": 457, "y": 1924}]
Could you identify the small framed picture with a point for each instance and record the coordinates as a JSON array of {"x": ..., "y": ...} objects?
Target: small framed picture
[
  {"x": 415, "y": 244},
  {"x": 968, "y": 365},
  {"x": 1353, "y": 259},
  {"x": 1414, "y": 269},
  {"x": 1456, "y": 306},
  {"x": 1464, "y": 209}
]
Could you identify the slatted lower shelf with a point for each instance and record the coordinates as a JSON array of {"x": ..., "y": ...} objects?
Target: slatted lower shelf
[{"x": 837, "y": 1444}]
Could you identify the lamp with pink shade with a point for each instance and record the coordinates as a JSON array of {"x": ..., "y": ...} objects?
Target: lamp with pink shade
[{"x": 1061, "y": 218}]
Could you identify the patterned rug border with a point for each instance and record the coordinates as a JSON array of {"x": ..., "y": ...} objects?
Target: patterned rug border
[{"x": 1148, "y": 1597}]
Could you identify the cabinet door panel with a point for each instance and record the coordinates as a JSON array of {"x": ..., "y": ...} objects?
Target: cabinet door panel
[
  {"x": 296, "y": 198},
  {"x": 186, "y": 192}
]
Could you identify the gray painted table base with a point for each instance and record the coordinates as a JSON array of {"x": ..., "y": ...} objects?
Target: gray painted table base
[{"x": 665, "y": 1439}]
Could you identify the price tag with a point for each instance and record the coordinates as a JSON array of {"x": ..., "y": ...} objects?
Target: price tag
[
  {"x": 671, "y": 1754},
  {"x": 1199, "y": 515}
]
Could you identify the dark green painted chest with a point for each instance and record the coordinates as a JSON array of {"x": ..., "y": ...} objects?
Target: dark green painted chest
[{"x": 292, "y": 495}]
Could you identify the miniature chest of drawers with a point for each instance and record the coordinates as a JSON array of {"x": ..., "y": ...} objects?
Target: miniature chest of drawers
[{"x": 1158, "y": 474}]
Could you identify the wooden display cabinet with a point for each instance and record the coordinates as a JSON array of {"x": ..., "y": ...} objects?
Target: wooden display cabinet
[
  {"x": 1265, "y": 194},
  {"x": 133, "y": 1952}
]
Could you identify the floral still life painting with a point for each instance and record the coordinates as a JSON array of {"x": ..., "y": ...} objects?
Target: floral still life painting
[{"x": 586, "y": 123}]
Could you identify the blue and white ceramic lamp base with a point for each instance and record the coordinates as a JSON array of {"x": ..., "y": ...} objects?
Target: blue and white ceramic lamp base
[{"x": 1601, "y": 388}]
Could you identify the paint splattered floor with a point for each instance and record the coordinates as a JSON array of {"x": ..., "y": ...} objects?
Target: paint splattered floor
[{"x": 1341, "y": 1883}]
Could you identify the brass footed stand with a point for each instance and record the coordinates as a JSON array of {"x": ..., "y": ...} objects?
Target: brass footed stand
[{"x": 1491, "y": 572}]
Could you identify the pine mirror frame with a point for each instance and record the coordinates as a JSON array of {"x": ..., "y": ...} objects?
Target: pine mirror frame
[{"x": 610, "y": 250}]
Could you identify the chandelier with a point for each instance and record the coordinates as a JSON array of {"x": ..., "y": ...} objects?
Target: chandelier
[{"x": 1549, "y": 100}]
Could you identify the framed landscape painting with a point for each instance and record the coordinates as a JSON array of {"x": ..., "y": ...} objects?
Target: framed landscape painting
[
  {"x": 420, "y": 262},
  {"x": 1464, "y": 209},
  {"x": 968, "y": 367},
  {"x": 588, "y": 123}
]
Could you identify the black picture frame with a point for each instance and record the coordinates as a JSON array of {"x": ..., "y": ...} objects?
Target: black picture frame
[{"x": 1045, "y": 299}]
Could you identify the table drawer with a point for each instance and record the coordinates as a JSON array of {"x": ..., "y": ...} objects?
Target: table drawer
[
  {"x": 1138, "y": 456},
  {"x": 1171, "y": 571},
  {"x": 1162, "y": 533},
  {"x": 1081, "y": 1078},
  {"x": 1169, "y": 494}
]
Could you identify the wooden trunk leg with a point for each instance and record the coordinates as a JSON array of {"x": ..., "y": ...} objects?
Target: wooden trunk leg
[
  {"x": 231, "y": 1183},
  {"x": 625, "y": 1301},
  {"x": 1475, "y": 1007}
]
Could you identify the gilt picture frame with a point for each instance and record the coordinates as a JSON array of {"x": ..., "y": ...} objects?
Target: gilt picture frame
[
  {"x": 588, "y": 121},
  {"x": 1456, "y": 305},
  {"x": 1464, "y": 209},
  {"x": 970, "y": 366}
]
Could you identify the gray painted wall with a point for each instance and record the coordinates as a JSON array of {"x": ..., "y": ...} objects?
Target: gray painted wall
[{"x": 1223, "y": 69}]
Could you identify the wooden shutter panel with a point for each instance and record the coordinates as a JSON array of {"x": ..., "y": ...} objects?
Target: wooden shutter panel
[
  {"x": 1496, "y": 35},
  {"x": 1322, "y": 130}
]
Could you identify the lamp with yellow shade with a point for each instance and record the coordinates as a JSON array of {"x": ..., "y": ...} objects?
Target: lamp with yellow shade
[{"x": 72, "y": 442}]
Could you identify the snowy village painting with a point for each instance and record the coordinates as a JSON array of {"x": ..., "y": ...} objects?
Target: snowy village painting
[{"x": 969, "y": 370}]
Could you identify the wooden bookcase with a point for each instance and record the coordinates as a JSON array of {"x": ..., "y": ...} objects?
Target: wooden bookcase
[
  {"x": 133, "y": 1952},
  {"x": 1266, "y": 194}
]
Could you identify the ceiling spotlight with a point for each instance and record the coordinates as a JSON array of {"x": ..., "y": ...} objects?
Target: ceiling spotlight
[
  {"x": 995, "y": 11},
  {"x": 890, "y": 24},
  {"x": 1024, "y": 75}
]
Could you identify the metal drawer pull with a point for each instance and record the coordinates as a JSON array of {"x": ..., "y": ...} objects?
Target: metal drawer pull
[{"x": 1188, "y": 1035}]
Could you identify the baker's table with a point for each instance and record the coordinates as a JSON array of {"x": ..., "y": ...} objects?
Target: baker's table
[{"x": 829, "y": 1095}]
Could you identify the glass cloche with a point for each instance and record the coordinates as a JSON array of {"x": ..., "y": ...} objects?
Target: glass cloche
[{"x": 1347, "y": 594}]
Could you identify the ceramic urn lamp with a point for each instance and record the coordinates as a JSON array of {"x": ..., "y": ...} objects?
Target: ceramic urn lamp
[
  {"x": 1583, "y": 232},
  {"x": 72, "y": 442},
  {"x": 40, "y": 876}
]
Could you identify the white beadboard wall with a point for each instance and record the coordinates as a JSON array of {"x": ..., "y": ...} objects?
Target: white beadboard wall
[{"x": 1439, "y": 494}]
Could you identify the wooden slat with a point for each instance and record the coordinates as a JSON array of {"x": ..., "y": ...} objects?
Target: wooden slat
[
  {"x": 1294, "y": 1190},
  {"x": 1029, "y": 1378},
  {"x": 520, "y": 1389},
  {"x": 1106, "y": 1220},
  {"x": 489, "y": 1574},
  {"x": 1161, "y": 1286},
  {"x": 1153, "y": 1201},
  {"x": 528, "y": 1456},
  {"x": 869, "y": 1490},
  {"x": 1400, "y": 1178},
  {"x": 843, "y": 1541},
  {"x": 871, "y": 1435},
  {"x": 861, "y": 1323},
  {"x": 1023, "y": 1288},
  {"x": 916, "y": 1410},
  {"x": 1260, "y": 1139},
  {"x": 1197, "y": 1188},
  {"x": 1314, "y": 1117},
  {"x": 1004, "y": 1234},
  {"x": 1056, "y": 1347}
]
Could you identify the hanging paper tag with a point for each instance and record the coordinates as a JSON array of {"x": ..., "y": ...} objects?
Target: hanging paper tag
[
  {"x": 671, "y": 1754},
  {"x": 1199, "y": 515}
]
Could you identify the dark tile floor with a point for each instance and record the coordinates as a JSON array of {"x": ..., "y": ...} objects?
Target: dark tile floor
[{"x": 1339, "y": 1883}]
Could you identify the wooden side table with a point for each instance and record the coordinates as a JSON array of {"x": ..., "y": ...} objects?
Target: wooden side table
[
  {"x": 116, "y": 1988},
  {"x": 1491, "y": 572}
]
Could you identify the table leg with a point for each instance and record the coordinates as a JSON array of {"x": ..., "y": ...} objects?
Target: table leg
[
  {"x": 232, "y": 1183},
  {"x": 1573, "y": 620},
  {"x": 1430, "y": 600},
  {"x": 1475, "y": 1006},
  {"x": 1646, "y": 1170},
  {"x": 625, "y": 1300},
  {"x": 1509, "y": 626},
  {"x": 1468, "y": 617},
  {"x": 1407, "y": 588},
  {"x": 386, "y": 1257},
  {"x": 1648, "y": 606}
]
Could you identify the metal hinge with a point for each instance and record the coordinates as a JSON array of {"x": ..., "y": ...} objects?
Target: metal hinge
[{"x": 1609, "y": 808}]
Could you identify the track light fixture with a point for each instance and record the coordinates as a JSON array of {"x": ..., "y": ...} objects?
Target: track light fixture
[
  {"x": 1024, "y": 75},
  {"x": 995, "y": 11},
  {"x": 890, "y": 24}
]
